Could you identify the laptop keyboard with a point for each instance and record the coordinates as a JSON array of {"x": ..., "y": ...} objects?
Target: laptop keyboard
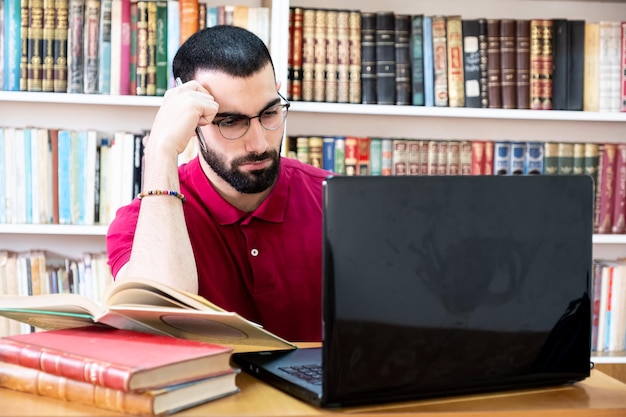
[{"x": 310, "y": 373}]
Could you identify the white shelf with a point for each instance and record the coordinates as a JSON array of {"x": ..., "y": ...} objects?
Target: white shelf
[
  {"x": 451, "y": 112},
  {"x": 612, "y": 357},
  {"x": 53, "y": 229},
  {"x": 87, "y": 99}
]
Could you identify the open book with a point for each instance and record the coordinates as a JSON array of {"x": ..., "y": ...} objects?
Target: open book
[{"x": 143, "y": 305}]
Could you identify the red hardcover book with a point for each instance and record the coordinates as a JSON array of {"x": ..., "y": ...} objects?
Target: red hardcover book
[
  {"x": 119, "y": 359},
  {"x": 352, "y": 155},
  {"x": 153, "y": 402},
  {"x": 364, "y": 154},
  {"x": 488, "y": 158},
  {"x": 478, "y": 157},
  {"x": 606, "y": 190},
  {"x": 296, "y": 55},
  {"x": 619, "y": 190}
]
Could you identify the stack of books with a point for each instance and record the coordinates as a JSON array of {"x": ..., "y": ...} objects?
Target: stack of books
[{"x": 119, "y": 370}]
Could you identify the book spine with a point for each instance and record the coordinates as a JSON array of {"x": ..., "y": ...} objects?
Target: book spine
[
  {"x": 141, "y": 76},
  {"x": 453, "y": 158},
  {"x": 502, "y": 158},
  {"x": 432, "y": 151},
  {"x": 385, "y": 58},
  {"x": 517, "y": 154},
  {"x": 576, "y": 64},
  {"x": 151, "y": 69},
  {"x": 75, "y": 57},
  {"x": 440, "y": 61},
  {"x": 91, "y": 41},
  {"x": 387, "y": 157},
  {"x": 328, "y": 153},
  {"x": 104, "y": 48},
  {"x": 188, "y": 18},
  {"x": 478, "y": 157},
  {"x": 332, "y": 75},
  {"x": 354, "y": 57},
  {"x": 429, "y": 70},
  {"x": 376, "y": 156},
  {"x": 465, "y": 157},
  {"x": 483, "y": 47},
  {"x": 340, "y": 155},
  {"x": 417, "y": 60},
  {"x": 508, "y": 63},
  {"x": 494, "y": 64},
  {"x": 533, "y": 158},
  {"x": 579, "y": 159},
  {"x": 161, "y": 48},
  {"x": 343, "y": 56},
  {"x": 132, "y": 64},
  {"x": 47, "y": 63},
  {"x": 351, "y": 155},
  {"x": 591, "y": 76},
  {"x": 319, "y": 55},
  {"x": 566, "y": 158},
  {"x": 560, "y": 49},
  {"x": 619, "y": 191},
  {"x": 24, "y": 33},
  {"x": 402, "y": 54},
  {"x": 454, "y": 43},
  {"x": 12, "y": 45},
  {"x": 364, "y": 155},
  {"x": 400, "y": 157},
  {"x": 607, "y": 184},
  {"x": 546, "y": 67},
  {"x": 622, "y": 68},
  {"x": 414, "y": 157},
  {"x": 489, "y": 158},
  {"x": 48, "y": 385},
  {"x": 442, "y": 158},
  {"x": 471, "y": 63},
  {"x": 522, "y": 63},
  {"x": 35, "y": 46},
  {"x": 368, "y": 58},
  {"x": 128, "y": 48},
  {"x": 308, "y": 53}
]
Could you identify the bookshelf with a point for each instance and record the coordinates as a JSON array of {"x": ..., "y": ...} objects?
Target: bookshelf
[{"x": 132, "y": 113}]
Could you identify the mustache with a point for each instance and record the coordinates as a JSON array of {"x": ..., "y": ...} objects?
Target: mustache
[{"x": 255, "y": 157}]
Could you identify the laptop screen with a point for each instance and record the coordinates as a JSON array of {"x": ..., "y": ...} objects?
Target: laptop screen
[{"x": 452, "y": 284}]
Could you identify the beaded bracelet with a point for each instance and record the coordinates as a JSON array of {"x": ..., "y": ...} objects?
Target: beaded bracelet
[{"x": 176, "y": 194}]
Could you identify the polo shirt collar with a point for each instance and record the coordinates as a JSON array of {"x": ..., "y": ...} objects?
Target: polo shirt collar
[{"x": 271, "y": 210}]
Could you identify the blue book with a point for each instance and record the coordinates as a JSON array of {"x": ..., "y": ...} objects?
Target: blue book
[
  {"x": 104, "y": 69},
  {"x": 429, "y": 74},
  {"x": 518, "y": 150},
  {"x": 65, "y": 177},
  {"x": 12, "y": 45},
  {"x": 376, "y": 156},
  {"x": 501, "y": 158},
  {"x": 3, "y": 196},
  {"x": 211, "y": 16},
  {"x": 533, "y": 158},
  {"x": 78, "y": 176},
  {"x": 328, "y": 153}
]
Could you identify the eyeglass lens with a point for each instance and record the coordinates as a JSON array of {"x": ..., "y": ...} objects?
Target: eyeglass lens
[{"x": 236, "y": 127}]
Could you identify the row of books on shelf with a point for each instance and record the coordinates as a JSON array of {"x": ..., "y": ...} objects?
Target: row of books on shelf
[
  {"x": 37, "y": 272},
  {"x": 66, "y": 176},
  {"x": 350, "y": 56},
  {"x": 358, "y": 155},
  {"x": 124, "y": 371},
  {"x": 608, "y": 331},
  {"x": 123, "y": 47}
]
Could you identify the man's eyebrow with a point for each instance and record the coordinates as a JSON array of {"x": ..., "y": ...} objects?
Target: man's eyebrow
[{"x": 235, "y": 114}]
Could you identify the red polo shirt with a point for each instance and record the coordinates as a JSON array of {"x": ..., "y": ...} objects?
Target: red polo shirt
[{"x": 265, "y": 265}]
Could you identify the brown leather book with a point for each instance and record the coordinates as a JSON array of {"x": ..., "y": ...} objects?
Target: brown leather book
[
  {"x": 522, "y": 74},
  {"x": 319, "y": 55},
  {"x": 508, "y": 63},
  {"x": 296, "y": 55},
  {"x": 343, "y": 57},
  {"x": 308, "y": 53},
  {"x": 494, "y": 64},
  {"x": 331, "y": 92},
  {"x": 60, "y": 46}
]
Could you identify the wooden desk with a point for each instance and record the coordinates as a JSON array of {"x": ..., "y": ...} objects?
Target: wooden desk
[{"x": 599, "y": 395}]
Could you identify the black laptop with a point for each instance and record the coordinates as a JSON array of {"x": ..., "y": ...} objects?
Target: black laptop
[{"x": 445, "y": 285}]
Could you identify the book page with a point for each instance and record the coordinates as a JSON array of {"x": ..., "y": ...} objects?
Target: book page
[
  {"x": 207, "y": 326},
  {"x": 147, "y": 292}
]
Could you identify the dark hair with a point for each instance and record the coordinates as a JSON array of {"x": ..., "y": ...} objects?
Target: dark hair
[{"x": 229, "y": 49}]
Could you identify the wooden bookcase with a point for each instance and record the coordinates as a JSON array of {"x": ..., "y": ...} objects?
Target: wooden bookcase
[{"x": 21, "y": 109}]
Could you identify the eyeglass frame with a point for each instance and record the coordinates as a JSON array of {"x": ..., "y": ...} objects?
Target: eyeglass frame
[{"x": 284, "y": 105}]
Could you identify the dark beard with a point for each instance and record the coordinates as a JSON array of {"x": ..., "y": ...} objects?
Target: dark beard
[{"x": 252, "y": 182}]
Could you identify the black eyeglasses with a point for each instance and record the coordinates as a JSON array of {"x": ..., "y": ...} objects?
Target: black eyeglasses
[{"x": 272, "y": 118}]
